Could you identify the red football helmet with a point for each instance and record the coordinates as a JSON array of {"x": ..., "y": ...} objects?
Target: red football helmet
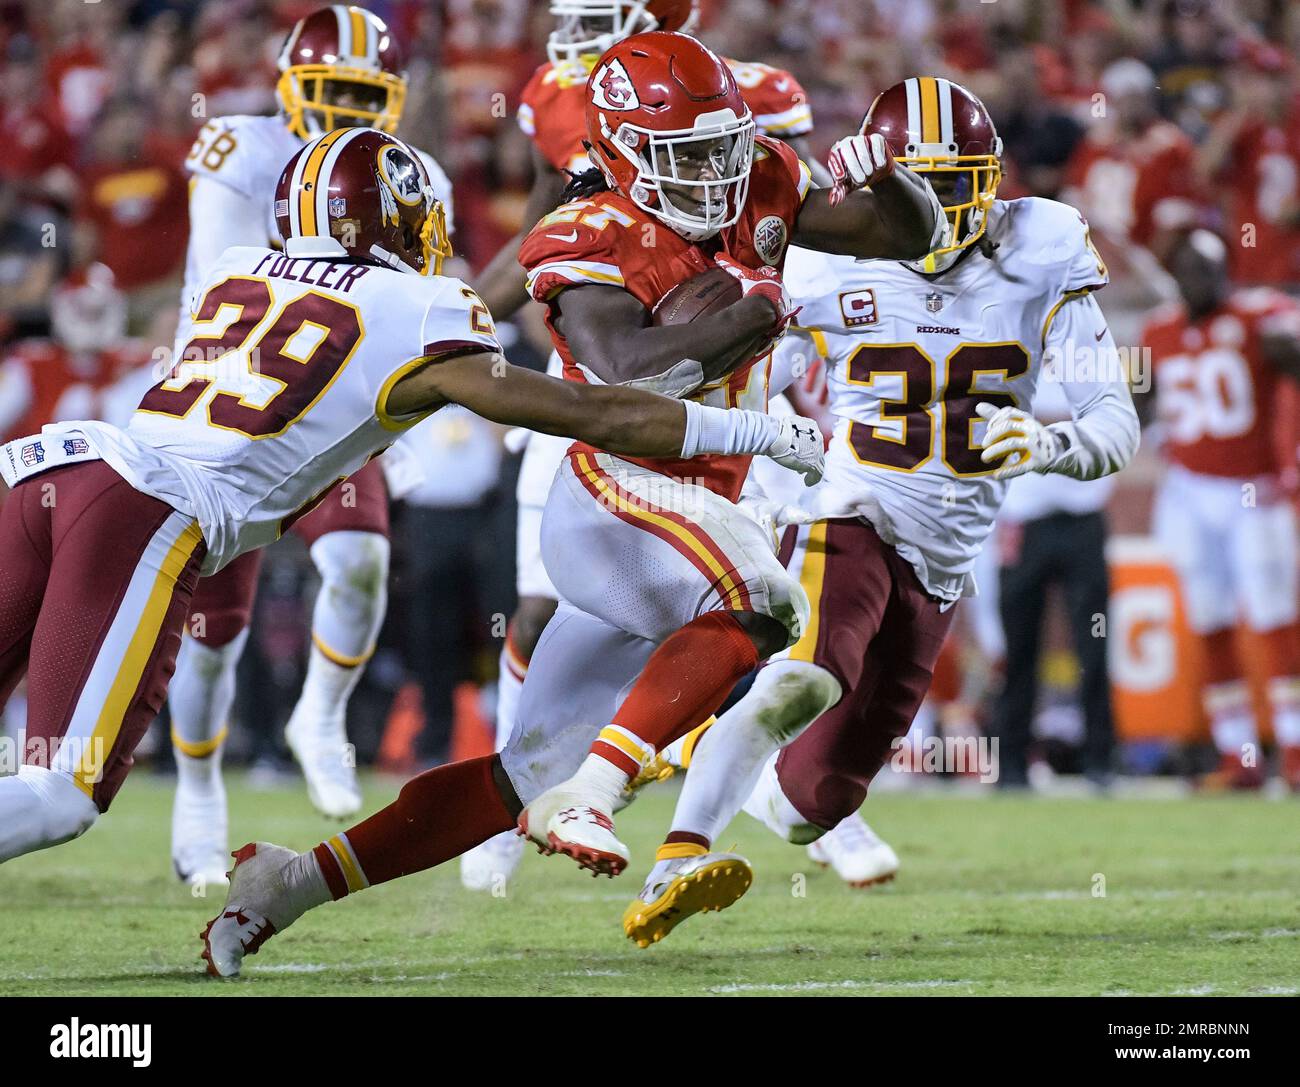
[
  {"x": 669, "y": 129},
  {"x": 587, "y": 28},
  {"x": 87, "y": 311},
  {"x": 341, "y": 66},
  {"x": 941, "y": 130},
  {"x": 358, "y": 193}
]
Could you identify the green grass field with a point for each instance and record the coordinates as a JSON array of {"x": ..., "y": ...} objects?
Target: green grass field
[{"x": 996, "y": 896}]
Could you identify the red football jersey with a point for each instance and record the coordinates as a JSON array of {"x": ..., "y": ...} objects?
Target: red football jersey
[
  {"x": 1216, "y": 394},
  {"x": 552, "y": 109},
  {"x": 1121, "y": 183},
  {"x": 607, "y": 239},
  {"x": 62, "y": 386},
  {"x": 1263, "y": 179}
]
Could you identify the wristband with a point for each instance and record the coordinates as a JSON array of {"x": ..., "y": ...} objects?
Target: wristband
[{"x": 729, "y": 431}]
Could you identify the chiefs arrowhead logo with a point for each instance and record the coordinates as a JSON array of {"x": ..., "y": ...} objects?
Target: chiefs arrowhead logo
[{"x": 612, "y": 89}]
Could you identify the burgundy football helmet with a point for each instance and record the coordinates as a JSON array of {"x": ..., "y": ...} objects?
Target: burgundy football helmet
[
  {"x": 341, "y": 66},
  {"x": 669, "y": 129},
  {"x": 359, "y": 193},
  {"x": 940, "y": 130},
  {"x": 587, "y": 28}
]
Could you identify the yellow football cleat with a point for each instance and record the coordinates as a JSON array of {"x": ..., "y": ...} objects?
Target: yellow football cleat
[
  {"x": 681, "y": 887},
  {"x": 676, "y": 756}
]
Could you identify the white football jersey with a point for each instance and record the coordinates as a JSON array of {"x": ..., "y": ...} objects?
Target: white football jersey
[
  {"x": 246, "y": 155},
  {"x": 909, "y": 358},
  {"x": 281, "y": 390}
]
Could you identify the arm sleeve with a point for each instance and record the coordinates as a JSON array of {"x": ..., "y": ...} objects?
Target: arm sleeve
[
  {"x": 219, "y": 218},
  {"x": 1081, "y": 354},
  {"x": 457, "y": 322},
  {"x": 15, "y": 394}
]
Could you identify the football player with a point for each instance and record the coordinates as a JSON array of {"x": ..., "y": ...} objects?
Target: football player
[
  {"x": 675, "y": 577},
  {"x": 552, "y": 114},
  {"x": 340, "y": 66},
  {"x": 1222, "y": 510},
  {"x": 66, "y": 376},
  {"x": 932, "y": 366},
  {"x": 322, "y": 356}
]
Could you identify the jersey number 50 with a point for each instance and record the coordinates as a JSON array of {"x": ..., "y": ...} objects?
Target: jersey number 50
[
  {"x": 904, "y": 437},
  {"x": 264, "y": 386}
]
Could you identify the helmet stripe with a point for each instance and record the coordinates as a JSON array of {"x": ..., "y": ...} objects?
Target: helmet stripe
[
  {"x": 360, "y": 35},
  {"x": 347, "y": 135},
  {"x": 310, "y": 182},
  {"x": 929, "y": 109},
  {"x": 343, "y": 29},
  {"x": 913, "y": 89},
  {"x": 946, "y": 136}
]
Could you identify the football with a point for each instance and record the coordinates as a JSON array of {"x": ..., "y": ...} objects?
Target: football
[{"x": 700, "y": 295}]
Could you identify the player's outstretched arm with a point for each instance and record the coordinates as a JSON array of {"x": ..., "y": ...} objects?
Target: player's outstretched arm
[
  {"x": 875, "y": 209},
  {"x": 609, "y": 333},
  {"x": 501, "y": 283},
  {"x": 620, "y": 420}
]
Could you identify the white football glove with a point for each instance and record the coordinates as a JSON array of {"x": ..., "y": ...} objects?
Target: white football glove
[
  {"x": 800, "y": 448},
  {"x": 857, "y": 162},
  {"x": 1027, "y": 444}
]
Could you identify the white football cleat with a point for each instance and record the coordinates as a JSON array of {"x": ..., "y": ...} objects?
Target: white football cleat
[
  {"x": 682, "y": 887},
  {"x": 562, "y": 820},
  {"x": 320, "y": 744},
  {"x": 859, "y": 857},
  {"x": 249, "y": 916},
  {"x": 490, "y": 865},
  {"x": 199, "y": 850}
]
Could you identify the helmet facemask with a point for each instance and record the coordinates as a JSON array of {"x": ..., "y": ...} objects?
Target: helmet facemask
[
  {"x": 585, "y": 29},
  {"x": 966, "y": 186},
  {"x": 318, "y": 98},
  {"x": 693, "y": 180}
]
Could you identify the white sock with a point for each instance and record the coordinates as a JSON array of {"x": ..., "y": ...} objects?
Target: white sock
[
  {"x": 771, "y": 807},
  {"x": 510, "y": 688},
  {"x": 40, "y": 808},
  {"x": 327, "y": 688},
  {"x": 1232, "y": 720},
  {"x": 303, "y": 888},
  {"x": 601, "y": 781},
  {"x": 787, "y": 696},
  {"x": 1284, "y": 702}
]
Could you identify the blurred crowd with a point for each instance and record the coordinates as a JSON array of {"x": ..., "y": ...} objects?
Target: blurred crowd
[{"x": 1146, "y": 115}]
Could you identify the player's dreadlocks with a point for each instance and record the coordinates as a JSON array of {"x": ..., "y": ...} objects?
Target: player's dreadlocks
[
  {"x": 587, "y": 183},
  {"x": 584, "y": 183}
]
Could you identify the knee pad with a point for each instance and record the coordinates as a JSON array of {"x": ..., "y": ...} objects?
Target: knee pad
[
  {"x": 355, "y": 562},
  {"x": 792, "y": 695}
]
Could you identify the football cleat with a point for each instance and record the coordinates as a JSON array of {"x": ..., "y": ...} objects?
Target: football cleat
[
  {"x": 490, "y": 865},
  {"x": 676, "y": 756},
  {"x": 856, "y": 853},
  {"x": 561, "y": 821},
  {"x": 1231, "y": 776},
  {"x": 244, "y": 923},
  {"x": 679, "y": 888},
  {"x": 320, "y": 744},
  {"x": 199, "y": 850}
]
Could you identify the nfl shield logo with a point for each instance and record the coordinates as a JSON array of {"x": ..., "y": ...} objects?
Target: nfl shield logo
[
  {"x": 33, "y": 453},
  {"x": 934, "y": 301},
  {"x": 338, "y": 207},
  {"x": 75, "y": 446}
]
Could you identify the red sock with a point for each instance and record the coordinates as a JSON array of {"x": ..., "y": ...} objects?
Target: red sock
[
  {"x": 437, "y": 815},
  {"x": 686, "y": 679}
]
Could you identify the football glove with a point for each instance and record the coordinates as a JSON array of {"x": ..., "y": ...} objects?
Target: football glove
[
  {"x": 1019, "y": 441},
  {"x": 858, "y": 162},
  {"x": 799, "y": 447}
]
